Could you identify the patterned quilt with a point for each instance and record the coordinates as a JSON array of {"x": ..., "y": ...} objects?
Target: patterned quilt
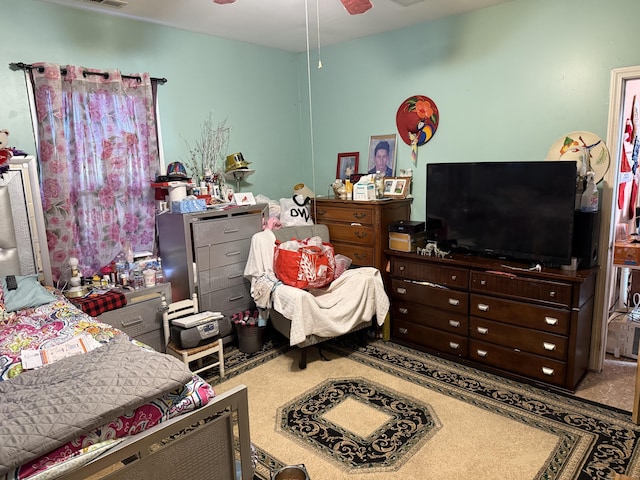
[{"x": 55, "y": 323}]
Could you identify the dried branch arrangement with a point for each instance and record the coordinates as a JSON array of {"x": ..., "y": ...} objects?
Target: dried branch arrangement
[{"x": 209, "y": 152}]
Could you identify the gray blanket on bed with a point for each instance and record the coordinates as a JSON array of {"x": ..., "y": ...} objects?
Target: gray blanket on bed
[{"x": 43, "y": 409}]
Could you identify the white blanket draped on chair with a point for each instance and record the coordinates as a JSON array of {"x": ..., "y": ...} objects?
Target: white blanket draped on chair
[{"x": 355, "y": 297}]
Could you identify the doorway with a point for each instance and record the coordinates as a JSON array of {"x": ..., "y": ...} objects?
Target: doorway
[{"x": 619, "y": 194}]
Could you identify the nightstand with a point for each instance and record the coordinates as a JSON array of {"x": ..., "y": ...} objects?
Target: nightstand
[{"x": 141, "y": 318}]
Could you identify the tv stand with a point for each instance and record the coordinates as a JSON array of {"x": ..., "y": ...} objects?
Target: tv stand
[{"x": 530, "y": 325}]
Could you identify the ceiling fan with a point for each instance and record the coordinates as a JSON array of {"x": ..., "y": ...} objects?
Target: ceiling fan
[{"x": 354, "y": 7}]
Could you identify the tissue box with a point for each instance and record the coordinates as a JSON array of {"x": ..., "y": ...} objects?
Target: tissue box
[
  {"x": 626, "y": 253},
  {"x": 188, "y": 206},
  {"x": 364, "y": 191}
]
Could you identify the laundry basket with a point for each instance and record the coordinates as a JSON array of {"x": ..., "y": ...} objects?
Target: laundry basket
[{"x": 250, "y": 338}]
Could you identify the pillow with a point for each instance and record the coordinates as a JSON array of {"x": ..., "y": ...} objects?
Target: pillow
[{"x": 29, "y": 294}]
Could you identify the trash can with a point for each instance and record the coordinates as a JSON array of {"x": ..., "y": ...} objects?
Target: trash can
[
  {"x": 291, "y": 472},
  {"x": 250, "y": 338}
]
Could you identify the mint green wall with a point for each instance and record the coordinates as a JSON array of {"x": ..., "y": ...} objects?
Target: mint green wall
[
  {"x": 254, "y": 88},
  {"x": 508, "y": 81}
]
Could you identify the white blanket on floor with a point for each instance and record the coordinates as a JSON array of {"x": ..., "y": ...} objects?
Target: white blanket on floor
[{"x": 355, "y": 297}]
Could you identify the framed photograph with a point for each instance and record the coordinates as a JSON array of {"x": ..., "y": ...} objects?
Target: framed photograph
[
  {"x": 347, "y": 165},
  {"x": 396, "y": 187},
  {"x": 244, "y": 198},
  {"x": 382, "y": 154}
]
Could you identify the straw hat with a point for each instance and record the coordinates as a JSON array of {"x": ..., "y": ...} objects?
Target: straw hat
[{"x": 235, "y": 161}]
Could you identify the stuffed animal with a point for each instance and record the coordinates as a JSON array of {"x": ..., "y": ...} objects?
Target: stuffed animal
[{"x": 5, "y": 152}]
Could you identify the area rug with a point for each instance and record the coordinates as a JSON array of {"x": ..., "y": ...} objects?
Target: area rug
[{"x": 387, "y": 411}]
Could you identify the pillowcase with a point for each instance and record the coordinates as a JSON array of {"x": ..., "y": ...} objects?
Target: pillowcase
[{"x": 29, "y": 294}]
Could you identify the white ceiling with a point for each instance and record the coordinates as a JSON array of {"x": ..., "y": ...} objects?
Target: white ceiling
[{"x": 281, "y": 23}]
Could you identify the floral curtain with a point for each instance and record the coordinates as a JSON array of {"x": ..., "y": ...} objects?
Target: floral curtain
[{"x": 98, "y": 152}]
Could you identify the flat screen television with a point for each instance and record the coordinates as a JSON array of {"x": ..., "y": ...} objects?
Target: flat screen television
[{"x": 523, "y": 211}]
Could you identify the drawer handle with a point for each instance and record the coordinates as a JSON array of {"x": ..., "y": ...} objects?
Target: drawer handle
[
  {"x": 454, "y": 277},
  {"x": 401, "y": 268},
  {"x": 231, "y": 230},
  {"x": 360, "y": 234},
  {"x": 483, "y": 307},
  {"x": 322, "y": 212},
  {"x": 551, "y": 321},
  {"x": 548, "y": 371},
  {"x": 549, "y": 346},
  {"x": 133, "y": 322},
  {"x": 404, "y": 311},
  {"x": 233, "y": 254},
  {"x": 359, "y": 215},
  {"x": 236, "y": 275},
  {"x": 454, "y": 323},
  {"x": 403, "y": 331},
  {"x": 233, "y": 299},
  {"x": 360, "y": 256},
  {"x": 401, "y": 291},
  {"x": 483, "y": 330},
  {"x": 454, "y": 301},
  {"x": 552, "y": 294},
  {"x": 483, "y": 282},
  {"x": 454, "y": 345},
  {"x": 482, "y": 353}
]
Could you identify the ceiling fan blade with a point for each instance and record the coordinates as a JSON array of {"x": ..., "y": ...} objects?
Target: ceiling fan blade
[
  {"x": 223, "y": 2},
  {"x": 355, "y": 7}
]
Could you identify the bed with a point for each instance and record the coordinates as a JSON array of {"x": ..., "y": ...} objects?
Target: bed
[{"x": 118, "y": 410}]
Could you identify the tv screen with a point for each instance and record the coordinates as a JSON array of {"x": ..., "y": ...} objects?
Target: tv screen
[{"x": 513, "y": 210}]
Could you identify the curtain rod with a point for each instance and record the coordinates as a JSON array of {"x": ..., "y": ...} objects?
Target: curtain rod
[{"x": 27, "y": 66}]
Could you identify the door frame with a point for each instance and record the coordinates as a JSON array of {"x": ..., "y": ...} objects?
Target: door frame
[{"x": 605, "y": 283}]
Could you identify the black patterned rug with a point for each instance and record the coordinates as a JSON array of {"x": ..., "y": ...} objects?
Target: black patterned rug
[{"x": 521, "y": 431}]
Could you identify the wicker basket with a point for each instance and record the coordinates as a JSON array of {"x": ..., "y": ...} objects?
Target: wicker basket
[{"x": 250, "y": 338}]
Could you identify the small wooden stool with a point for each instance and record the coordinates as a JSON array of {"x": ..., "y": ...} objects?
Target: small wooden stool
[
  {"x": 188, "y": 355},
  {"x": 198, "y": 353}
]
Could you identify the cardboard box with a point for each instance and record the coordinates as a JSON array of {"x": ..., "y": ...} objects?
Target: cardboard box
[
  {"x": 625, "y": 253},
  {"x": 364, "y": 191},
  {"x": 188, "y": 206},
  {"x": 406, "y": 242}
]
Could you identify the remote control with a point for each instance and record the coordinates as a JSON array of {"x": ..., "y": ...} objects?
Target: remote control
[{"x": 12, "y": 284}]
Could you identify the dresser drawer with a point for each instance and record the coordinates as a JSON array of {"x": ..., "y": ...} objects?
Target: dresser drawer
[
  {"x": 362, "y": 214},
  {"x": 430, "y": 338},
  {"x": 228, "y": 300},
  {"x": 441, "y": 298},
  {"x": 457, "y": 323},
  {"x": 136, "y": 319},
  {"x": 212, "y": 256},
  {"x": 552, "y": 320},
  {"x": 362, "y": 256},
  {"x": 221, "y": 277},
  {"x": 534, "y": 366},
  {"x": 526, "y": 288},
  {"x": 220, "y": 230},
  {"x": 525, "y": 339},
  {"x": 438, "y": 274},
  {"x": 359, "y": 234}
]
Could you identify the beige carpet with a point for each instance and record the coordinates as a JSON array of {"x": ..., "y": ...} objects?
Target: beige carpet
[{"x": 458, "y": 423}]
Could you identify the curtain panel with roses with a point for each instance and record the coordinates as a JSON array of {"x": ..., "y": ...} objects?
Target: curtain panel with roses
[{"x": 98, "y": 153}]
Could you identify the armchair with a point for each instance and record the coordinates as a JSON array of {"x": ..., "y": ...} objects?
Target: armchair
[{"x": 308, "y": 317}]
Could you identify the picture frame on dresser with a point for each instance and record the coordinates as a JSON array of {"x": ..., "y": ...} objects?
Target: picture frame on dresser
[
  {"x": 396, "y": 187},
  {"x": 382, "y": 154},
  {"x": 347, "y": 165}
]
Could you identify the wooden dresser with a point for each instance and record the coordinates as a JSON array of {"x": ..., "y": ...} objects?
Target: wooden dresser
[
  {"x": 360, "y": 230},
  {"x": 531, "y": 325}
]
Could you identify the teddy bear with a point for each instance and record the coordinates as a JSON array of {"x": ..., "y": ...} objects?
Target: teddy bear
[{"x": 5, "y": 152}]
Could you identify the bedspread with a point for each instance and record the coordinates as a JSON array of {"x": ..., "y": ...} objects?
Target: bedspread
[{"x": 45, "y": 408}]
